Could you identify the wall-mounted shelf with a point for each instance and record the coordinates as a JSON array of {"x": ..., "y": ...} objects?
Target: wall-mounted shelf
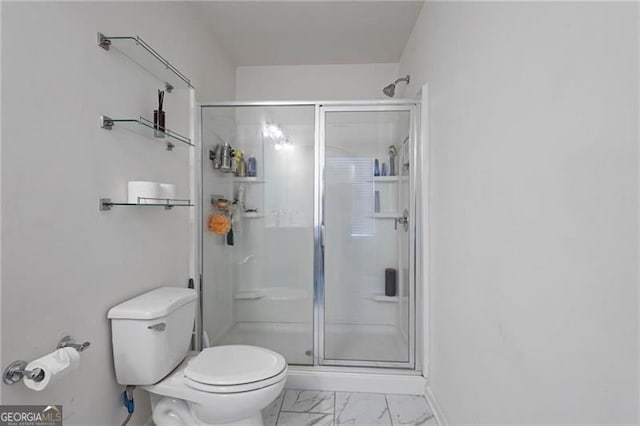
[
  {"x": 146, "y": 127},
  {"x": 168, "y": 203},
  {"x": 248, "y": 179},
  {"x": 144, "y": 55}
]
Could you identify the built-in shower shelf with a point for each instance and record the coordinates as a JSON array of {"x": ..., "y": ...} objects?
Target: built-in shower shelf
[
  {"x": 380, "y": 297},
  {"x": 249, "y": 295},
  {"x": 389, "y": 179},
  {"x": 272, "y": 294},
  {"x": 137, "y": 50},
  {"x": 252, "y": 215},
  {"x": 146, "y": 128},
  {"x": 248, "y": 179},
  {"x": 385, "y": 215}
]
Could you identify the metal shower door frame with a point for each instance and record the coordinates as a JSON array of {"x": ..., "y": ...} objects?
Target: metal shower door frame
[
  {"x": 321, "y": 107},
  {"x": 319, "y": 193}
]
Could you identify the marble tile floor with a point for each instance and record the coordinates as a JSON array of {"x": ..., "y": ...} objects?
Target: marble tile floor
[{"x": 317, "y": 408}]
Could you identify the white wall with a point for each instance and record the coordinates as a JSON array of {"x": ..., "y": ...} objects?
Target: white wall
[
  {"x": 534, "y": 220},
  {"x": 64, "y": 262},
  {"x": 313, "y": 82}
]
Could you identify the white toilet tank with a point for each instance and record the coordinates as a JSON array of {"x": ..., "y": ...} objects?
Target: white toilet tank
[{"x": 151, "y": 334}]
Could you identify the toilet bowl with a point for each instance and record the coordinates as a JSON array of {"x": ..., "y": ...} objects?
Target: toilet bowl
[{"x": 223, "y": 385}]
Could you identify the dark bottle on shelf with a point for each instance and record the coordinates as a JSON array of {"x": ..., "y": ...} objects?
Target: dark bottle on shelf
[
  {"x": 158, "y": 117},
  {"x": 390, "y": 282}
]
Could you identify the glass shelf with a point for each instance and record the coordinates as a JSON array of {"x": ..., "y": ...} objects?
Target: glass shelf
[
  {"x": 146, "y": 127},
  {"x": 144, "y": 55},
  {"x": 168, "y": 203}
]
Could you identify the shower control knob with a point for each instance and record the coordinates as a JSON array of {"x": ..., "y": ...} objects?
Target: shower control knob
[{"x": 403, "y": 220}]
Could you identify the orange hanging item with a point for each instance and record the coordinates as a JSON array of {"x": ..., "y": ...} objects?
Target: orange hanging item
[
  {"x": 219, "y": 223},
  {"x": 220, "y": 219}
]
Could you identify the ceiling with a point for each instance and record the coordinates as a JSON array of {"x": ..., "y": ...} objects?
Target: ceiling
[{"x": 311, "y": 32}]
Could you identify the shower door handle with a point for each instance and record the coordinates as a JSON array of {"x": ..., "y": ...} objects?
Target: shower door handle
[{"x": 403, "y": 220}]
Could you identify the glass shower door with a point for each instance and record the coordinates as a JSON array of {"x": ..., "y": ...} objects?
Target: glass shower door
[
  {"x": 257, "y": 219},
  {"x": 366, "y": 314}
]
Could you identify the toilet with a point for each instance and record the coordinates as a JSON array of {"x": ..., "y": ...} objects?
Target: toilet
[{"x": 223, "y": 385}]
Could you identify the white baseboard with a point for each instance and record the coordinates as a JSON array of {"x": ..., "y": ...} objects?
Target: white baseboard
[
  {"x": 301, "y": 378},
  {"x": 435, "y": 406}
]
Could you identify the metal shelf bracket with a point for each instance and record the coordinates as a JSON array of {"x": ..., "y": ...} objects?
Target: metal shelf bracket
[
  {"x": 105, "y": 204},
  {"x": 106, "y": 122},
  {"x": 104, "y": 42}
]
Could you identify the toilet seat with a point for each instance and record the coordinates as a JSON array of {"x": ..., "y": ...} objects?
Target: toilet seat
[
  {"x": 238, "y": 409},
  {"x": 245, "y": 387},
  {"x": 234, "y": 368}
]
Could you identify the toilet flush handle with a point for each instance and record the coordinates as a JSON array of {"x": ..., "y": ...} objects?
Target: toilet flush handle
[{"x": 158, "y": 327}]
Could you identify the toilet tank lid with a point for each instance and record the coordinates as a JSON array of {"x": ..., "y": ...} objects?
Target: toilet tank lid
[{"x": 153, "y": 304}]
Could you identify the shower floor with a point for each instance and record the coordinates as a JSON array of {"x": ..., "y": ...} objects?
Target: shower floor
[{"x": 342, "y": 341}]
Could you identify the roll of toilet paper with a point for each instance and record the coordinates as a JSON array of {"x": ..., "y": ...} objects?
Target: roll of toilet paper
[
  {"x": 167, "y": 191},
  {"x": 55, "y": 365},
  {"x": 140, "y": 191}
]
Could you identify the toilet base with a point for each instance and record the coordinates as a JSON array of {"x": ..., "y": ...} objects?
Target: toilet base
[
  {"x": 169, "y": 411},
  {"x": 173, "y": 403}
]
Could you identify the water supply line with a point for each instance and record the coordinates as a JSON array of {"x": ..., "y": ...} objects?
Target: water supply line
[{"x": 127, "y": 397}]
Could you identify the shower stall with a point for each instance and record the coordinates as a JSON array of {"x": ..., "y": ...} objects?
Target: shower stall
[{"x": 309, "y": 215}]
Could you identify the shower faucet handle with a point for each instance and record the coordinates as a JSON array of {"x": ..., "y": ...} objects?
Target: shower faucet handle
[{"x": 403, "y": 220}]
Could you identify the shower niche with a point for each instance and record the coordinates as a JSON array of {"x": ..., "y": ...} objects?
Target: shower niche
[{"x": 320, "y": 267}]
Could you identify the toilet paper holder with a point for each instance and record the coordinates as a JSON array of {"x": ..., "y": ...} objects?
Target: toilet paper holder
[{"x": 16, "y": 371}]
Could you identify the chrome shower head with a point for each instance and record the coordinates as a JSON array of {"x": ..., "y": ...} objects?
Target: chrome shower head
[{"x": 390, "y": 90}]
